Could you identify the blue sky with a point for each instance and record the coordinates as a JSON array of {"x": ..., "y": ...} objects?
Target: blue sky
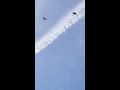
[
  {"x": 61, "y": 66},
  {"x": 53, "y": 10}
]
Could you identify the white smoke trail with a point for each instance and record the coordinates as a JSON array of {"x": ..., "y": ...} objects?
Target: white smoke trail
[{"x": 60, "y": 27}]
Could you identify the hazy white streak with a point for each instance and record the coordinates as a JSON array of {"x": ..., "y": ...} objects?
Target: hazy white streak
[{"x": 63, "y": 25}]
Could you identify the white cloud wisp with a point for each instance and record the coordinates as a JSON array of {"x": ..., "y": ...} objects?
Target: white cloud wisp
[{"x": 64, "y": 24}]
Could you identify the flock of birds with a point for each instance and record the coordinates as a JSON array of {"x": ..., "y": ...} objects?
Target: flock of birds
[{"x": 74, "y": 13}]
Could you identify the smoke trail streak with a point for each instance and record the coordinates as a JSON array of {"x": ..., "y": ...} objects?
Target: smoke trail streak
[{"x": 61, "y": 27}]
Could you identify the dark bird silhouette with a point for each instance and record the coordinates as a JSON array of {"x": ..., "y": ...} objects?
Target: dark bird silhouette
[
  {"x": 44, "y": 18},
  {"x": 74, "y": 13}
]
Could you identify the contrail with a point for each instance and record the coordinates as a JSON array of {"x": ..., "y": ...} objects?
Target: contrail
[{"x": 63, "y": 25}]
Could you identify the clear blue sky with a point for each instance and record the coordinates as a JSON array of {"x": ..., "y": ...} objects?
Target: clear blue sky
[{"x": 61, "y": 66}]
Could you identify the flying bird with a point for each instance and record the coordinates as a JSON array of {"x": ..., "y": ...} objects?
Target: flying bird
[
  {"x": 44, "y": 18},
  {"x": 74, "y": 13}
]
